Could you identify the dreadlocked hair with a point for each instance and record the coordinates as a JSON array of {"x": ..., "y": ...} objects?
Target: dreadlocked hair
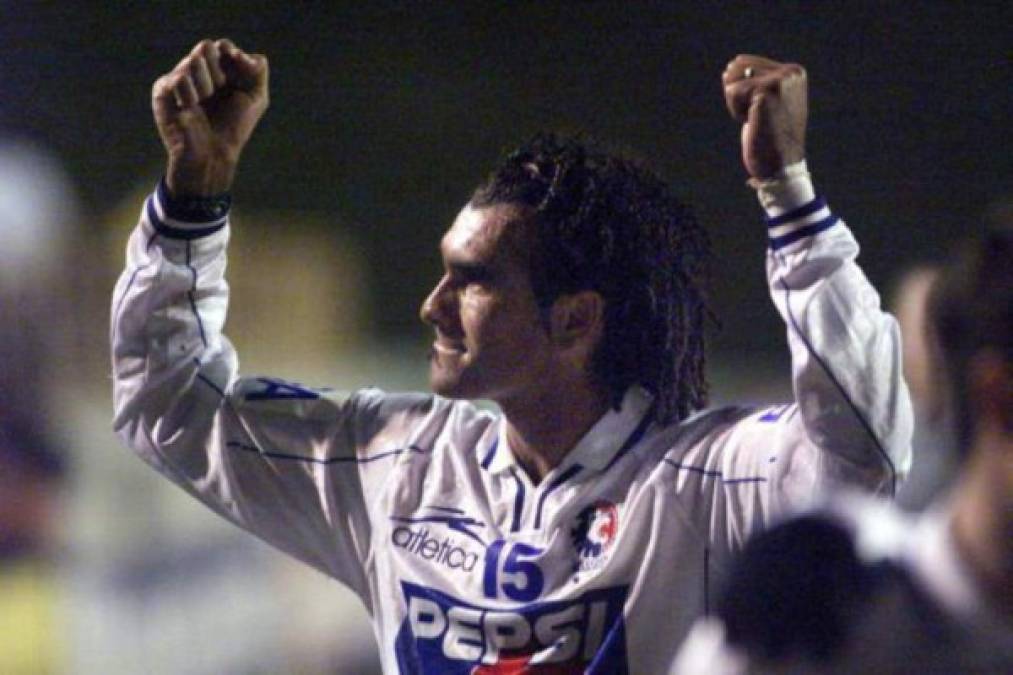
[{"x": 606, "y": 222}]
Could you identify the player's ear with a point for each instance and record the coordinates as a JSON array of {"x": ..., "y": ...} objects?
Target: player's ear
[{"x": 577, "y": 321}]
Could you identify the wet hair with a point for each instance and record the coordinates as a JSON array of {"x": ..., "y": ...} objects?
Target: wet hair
[
  {"x": 605, "y": 222},
  {"x": 971, "y": 309}
]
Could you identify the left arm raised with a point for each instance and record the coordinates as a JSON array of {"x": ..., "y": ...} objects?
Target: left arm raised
[
  {"x": 846, "y": 357},
  {"x": 851, "y": 421}
]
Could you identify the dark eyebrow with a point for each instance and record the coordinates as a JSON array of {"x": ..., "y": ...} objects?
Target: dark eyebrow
[{"x": 470, "y": 271}]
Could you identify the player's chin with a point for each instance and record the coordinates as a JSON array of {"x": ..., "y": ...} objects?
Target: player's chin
[
  {"x": 447, "y": 374},
  {"x": 449, "y": 383},
  {"x": 443, "y": 382}
]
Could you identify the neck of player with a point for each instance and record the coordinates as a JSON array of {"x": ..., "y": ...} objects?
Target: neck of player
[{"x": 543, "y": 428}]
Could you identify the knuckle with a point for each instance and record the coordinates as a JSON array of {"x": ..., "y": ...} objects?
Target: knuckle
[
  {"x": 183, "y": 66},
  {"x": 163, "y": 89},
  {"x": 200, "y": 47},
  {"x": 794, "y": 70}
]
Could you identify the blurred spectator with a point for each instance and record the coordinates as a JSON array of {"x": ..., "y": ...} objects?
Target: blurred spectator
[
  {"x": 37, "y": 208},
  {"x": 90, "y": 578},
  {"x": 934, "y": 460},
  {"x": 30, "y": 476}
]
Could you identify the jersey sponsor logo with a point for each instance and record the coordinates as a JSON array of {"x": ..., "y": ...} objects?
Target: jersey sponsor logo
[
  {"x": 413, "y": 534},
  {"x": 451, "y": 518},
  {"x": 421, "y": 543},
  {"x": 445, "y": 635},
  {"x": 594, "y": 534}
]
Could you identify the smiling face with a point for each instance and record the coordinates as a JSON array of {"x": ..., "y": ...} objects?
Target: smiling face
[{"x": 490, "y": 341}]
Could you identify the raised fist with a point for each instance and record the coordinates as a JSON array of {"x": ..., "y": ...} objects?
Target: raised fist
[
  {"x": 770, "y": 99},
  {"x": 206, "y": 109}
]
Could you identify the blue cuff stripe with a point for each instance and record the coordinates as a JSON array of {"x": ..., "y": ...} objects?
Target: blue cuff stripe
[
  {"x": 175, "y": 232},
  {"x": 801, "y": 212},
  {"x": 803, "y": 232}
]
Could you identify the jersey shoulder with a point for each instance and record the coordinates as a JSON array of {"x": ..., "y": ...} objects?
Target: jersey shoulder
[{"x": 689, "y": 441}]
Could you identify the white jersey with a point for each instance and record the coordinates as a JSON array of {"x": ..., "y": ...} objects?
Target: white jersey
[{"x": 417, "y": 503}]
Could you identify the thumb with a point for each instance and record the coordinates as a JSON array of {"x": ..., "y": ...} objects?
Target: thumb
[
  {"x": 755, "y": 114},
  {"x": 756, "y": 140}
]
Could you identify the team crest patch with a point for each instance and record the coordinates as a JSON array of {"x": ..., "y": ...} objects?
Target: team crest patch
[{"x": 594, "y": 534}]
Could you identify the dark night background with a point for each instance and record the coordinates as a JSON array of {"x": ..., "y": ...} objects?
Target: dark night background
[{"x": 384, "y": 115}]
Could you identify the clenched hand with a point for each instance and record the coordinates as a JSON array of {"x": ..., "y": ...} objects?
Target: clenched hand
[
  {"x": 206, "y": 109},
  {"x": 770, "y": 99}
]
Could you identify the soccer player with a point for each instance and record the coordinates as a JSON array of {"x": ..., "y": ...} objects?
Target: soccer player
[
  {"x": 860, "y": 587},
  {"x": 603, "y": 501}
]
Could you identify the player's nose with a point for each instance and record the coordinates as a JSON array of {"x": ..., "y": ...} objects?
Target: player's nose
[{"x": 435, "y": 308}]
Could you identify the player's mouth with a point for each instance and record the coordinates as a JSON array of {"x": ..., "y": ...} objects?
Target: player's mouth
[{"x": 446, "y": 348}]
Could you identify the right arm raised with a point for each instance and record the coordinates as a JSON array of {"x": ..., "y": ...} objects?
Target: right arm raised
[
  {"x": 205, "y": 109},
  {"x": 297, "y": 468}
]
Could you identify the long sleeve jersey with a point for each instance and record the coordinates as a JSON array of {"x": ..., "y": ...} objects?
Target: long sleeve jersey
[{"x": 417, "y": 503}]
